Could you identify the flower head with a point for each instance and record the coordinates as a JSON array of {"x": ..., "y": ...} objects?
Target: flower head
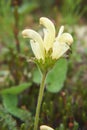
[
  {"x": 58, "y": 45},
  {"x": 51, "y": 47},
  {"x": 45, "y": 127}
]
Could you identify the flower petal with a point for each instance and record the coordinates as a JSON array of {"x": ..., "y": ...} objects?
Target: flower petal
[
  {"x": 29, "y": 33},
  {"x": 60, "y": 32},
  {"x": 44, "y": 127},
  {"x": 49, "y": 33},
  {"x": 67, "y": 38},
  {"x": 39, "y": 54},
  {"x": 59, "y": 49}
]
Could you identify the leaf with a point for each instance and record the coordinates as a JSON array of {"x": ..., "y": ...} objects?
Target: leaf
[
  {"x": 10, "y": 103},
  {"x": 16, "y": 89},
  {"x": 55, "y": 78},
  {"x": 36, "y": 76}
]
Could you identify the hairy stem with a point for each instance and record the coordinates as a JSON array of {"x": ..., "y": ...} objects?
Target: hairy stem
[{"x": 40, "y": 97}]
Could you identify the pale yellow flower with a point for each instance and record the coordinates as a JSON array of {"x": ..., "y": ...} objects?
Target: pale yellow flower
[
  {"x": 57, "y": 44},
  {"x": 45, "y": 127}
]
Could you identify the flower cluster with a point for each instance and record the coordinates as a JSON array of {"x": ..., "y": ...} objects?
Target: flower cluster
[
  {"x": 59, "y": 44},
  {"x": 52, "y": 46}
]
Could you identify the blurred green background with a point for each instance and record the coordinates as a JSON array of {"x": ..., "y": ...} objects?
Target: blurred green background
[{"x": 64, "y": 105}]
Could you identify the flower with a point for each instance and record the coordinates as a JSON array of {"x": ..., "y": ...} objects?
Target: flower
[
  {"x": 56, "y": 45},
  {"x": 45, "y": 127}
]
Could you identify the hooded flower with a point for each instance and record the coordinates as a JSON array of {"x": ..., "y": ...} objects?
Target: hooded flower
[{"x": 57, "y": 44}]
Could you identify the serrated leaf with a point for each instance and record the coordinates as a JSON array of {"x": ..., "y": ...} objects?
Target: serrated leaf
[
  {"x": 55, "y": 78},
  {"x": 16, "y": 89}
]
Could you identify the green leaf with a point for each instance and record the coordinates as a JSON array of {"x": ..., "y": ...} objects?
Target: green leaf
[
  {"x": 16, "y": 89},
  {"x": 10, "y": 103},
  {"x": 56, "y": 77},
  {"x": 36, "y": 76}
]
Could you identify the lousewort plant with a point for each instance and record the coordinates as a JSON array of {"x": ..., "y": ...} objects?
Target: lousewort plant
[{"x": 47, "y": 51}]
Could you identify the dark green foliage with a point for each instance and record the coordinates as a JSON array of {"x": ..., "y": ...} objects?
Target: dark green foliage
[{"x": 7, "y": 122}]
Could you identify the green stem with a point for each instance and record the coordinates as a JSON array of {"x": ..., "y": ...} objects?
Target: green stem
[{"x": 40, "y": 97}]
